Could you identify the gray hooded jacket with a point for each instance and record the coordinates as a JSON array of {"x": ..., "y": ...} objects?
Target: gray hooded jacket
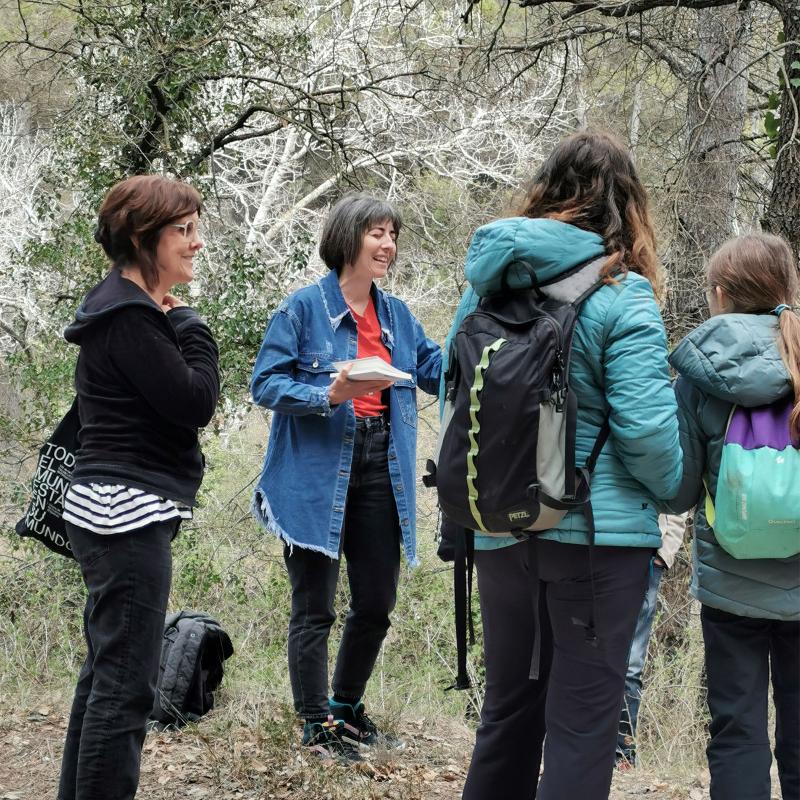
[{"x": 730, "y": 359}]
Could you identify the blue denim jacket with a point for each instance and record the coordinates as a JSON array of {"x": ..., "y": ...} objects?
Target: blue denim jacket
[{"x": 303, "y": 487}]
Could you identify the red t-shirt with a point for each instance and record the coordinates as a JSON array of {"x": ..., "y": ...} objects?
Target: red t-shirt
[{"x": 370, "y": 344}]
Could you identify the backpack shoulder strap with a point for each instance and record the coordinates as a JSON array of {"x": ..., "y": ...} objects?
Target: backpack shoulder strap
[
  {"x": 710, "y": 508},
  {"x": 577, "y": 284},
  {"x": 462, "y": 591}
]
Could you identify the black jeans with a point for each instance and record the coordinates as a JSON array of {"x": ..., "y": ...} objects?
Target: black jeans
[
  {"x": 128, "y": 578},
  {"x": 371, "y": 546},
  {"x": 739, "y": 654},
  {"x": 578, "y": 695}
]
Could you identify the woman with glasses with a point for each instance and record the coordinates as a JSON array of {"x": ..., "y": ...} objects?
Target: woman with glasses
[
  {"x": 146, "y": 380},
  {"x": 340, "y": 471}
]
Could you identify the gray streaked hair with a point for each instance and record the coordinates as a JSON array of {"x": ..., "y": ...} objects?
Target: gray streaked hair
[{"x": 349, "y": 219}]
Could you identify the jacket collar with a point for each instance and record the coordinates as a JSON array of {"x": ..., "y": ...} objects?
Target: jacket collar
[
  {"x": 337, "y": 309},
  {"x": 111, "y": 294}
]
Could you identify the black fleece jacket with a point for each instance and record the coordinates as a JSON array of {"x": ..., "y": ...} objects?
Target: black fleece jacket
[{"x": 146, "y": 381}]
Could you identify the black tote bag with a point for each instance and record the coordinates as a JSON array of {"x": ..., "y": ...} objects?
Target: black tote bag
[{"x": 43, "y": 520}]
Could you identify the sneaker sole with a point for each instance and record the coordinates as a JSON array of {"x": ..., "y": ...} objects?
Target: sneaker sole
[
  {"x": 320, "y": 751},
  {"x": 379, "y": 745}
]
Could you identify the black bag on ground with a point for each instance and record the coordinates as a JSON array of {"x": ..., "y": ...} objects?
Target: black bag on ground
[
  {"x": 43, "y": 520},
  {"x": 192, "y": 655}
]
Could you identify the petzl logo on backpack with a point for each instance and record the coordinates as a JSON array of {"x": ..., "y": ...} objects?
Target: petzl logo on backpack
[
  {"x": 506, "y": 453},
  {"x": 757, "y": 508}
]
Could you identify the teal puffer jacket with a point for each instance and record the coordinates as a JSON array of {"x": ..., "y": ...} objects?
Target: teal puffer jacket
[
  {"x": 730, "y": 359},
  {"x": 619, "y": 368}
]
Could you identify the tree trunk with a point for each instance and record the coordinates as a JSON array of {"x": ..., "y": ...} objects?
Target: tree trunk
[
  {"x": 706, "y": 198},
  {"x": 783, "y": 214}
]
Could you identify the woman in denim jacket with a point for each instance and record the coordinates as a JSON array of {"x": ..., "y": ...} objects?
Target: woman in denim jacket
[{"x": 339, "y": 474}]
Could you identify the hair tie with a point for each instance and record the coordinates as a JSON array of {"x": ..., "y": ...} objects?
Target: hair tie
[{"x": 778, "y": 310}]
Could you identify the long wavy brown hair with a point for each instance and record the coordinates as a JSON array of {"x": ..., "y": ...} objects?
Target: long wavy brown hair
[
  {"x": 758, "y": 273},
  {"x": 590, "y": 181}
]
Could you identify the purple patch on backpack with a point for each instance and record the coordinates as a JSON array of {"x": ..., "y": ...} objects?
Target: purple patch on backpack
[{"x": 763, "y": 426}]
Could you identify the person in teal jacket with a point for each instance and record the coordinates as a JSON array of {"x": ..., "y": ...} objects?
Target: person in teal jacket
[
  {"x": 750, "y": 608},
  {"x": 585, "y": 202}
]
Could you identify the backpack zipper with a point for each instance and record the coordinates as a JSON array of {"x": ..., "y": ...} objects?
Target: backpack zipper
[{"x": 559, "y": 379}]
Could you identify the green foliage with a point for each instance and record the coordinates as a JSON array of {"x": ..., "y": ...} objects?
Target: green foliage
[
  {"x": 225, "y": 565},
  {"x": 795, "y": 81},
  {"x": 57, "y": 269},
  {"x": 47, "y": 379},
  {"x": 239, "y": 300},
  {"x": 772, "y": 117},
  {"x": 158, "y": 82},
  {"x": 198, "y": 575},
  {"x": 41, "y": 598}
]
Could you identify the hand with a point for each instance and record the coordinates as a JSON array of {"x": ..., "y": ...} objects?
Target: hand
[
  {"x": 170, "y": 301},
  {"x": 343, "y": 389},
  {"x": 659, "y": 562}
]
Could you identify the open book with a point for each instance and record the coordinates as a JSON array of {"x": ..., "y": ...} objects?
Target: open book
[{"x": 372, "y": 368}]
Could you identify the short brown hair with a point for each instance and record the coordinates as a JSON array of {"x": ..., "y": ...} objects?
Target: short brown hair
[
  {"x": 590, "y": 181},
  {"x": 351, "y": 217},
  {"x": 758, "y": 273},
  {"x": 134, "y": 213}
]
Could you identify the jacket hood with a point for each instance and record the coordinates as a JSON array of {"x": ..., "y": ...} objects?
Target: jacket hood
[
  {"x": 550, "y": 247},
  {"x": 112, "y": 293},
  {"x": 735, "y": 357}
]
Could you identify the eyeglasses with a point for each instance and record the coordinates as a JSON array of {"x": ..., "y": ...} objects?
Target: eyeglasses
[{"x": 189, "y": 230}]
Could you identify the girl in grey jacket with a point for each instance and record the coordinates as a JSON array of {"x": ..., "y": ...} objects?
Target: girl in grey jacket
[{"x": 747, "y": 354}]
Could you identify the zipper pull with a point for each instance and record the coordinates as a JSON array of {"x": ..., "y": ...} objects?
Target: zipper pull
[{"x": 559, "y": 383}]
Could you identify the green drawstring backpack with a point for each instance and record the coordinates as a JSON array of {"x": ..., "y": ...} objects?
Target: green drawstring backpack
[{"x": 757, "y": 508}]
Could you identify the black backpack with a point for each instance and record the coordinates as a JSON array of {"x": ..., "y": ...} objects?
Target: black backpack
[
  {"x": 505, "y": 459},
  {"x": 192, "y": 654}
]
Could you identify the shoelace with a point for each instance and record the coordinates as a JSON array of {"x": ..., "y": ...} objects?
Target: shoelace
[
  {"x": 365, "y": 723},
  {"x": 331, "y": 736}
]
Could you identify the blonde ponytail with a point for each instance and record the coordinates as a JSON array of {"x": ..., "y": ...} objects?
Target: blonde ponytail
[
  {"x": 789, "y": 346},
  {"x": 759, "y": 274}
]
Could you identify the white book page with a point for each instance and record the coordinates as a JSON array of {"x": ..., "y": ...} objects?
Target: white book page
[{"x": 372, "y": 368}]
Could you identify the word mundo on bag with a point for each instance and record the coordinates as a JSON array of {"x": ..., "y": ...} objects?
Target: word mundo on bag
[{"x": 43, "y": 519}]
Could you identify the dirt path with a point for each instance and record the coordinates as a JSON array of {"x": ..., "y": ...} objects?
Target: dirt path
[{"x": 240, "y": 763}]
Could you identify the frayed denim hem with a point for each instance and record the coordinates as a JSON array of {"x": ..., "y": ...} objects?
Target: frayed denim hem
[{"x": 263, "y": 513}]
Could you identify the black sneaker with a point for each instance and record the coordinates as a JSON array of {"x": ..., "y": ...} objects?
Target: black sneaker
[
  {"x": 326, "y": 740},
  {"x": 360, "y": 729}
]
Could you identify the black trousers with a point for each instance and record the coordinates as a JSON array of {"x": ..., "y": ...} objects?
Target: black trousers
[
  {"x": 371, "y": 546},
  {"x": 578, "y": 695},
  {"x": 740, "y": 653},
  {"x": 127, "y": 576}
]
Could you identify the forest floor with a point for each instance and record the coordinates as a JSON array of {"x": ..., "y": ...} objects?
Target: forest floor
[{"x": 236, "y": 762}]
